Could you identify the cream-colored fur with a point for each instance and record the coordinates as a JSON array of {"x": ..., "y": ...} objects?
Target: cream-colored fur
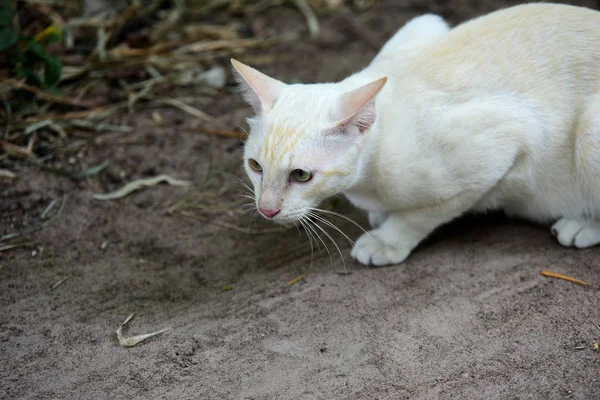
[{"x": 501, "y": 112}]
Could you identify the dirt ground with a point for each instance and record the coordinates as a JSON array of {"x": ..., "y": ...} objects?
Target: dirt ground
[{"x": 468, "y": 316}]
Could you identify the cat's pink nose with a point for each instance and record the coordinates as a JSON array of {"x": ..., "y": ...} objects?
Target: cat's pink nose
[{"x": 268, "y": 213}]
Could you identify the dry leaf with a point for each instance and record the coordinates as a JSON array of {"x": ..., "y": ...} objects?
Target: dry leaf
[
  {"x": 158, "y": 119},
  {"x": 133, "y": 340},
  {"x": 4, "y": 173}
]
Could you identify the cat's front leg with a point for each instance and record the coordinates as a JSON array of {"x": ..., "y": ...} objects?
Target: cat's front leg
[
  {"x": 400, "y": 233},
  {"x": 377, "y": 218},
  {"x": 484, "y": 149}
]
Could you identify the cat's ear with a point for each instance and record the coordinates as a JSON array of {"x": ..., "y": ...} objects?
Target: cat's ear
[
  {"x": 357, "y": 107},
  {"x": 259, "y": 90}
]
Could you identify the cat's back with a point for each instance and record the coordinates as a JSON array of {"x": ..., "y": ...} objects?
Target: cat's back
[
  {"x": 518, "y": 47},
  {"x": 533, "y": 19}
]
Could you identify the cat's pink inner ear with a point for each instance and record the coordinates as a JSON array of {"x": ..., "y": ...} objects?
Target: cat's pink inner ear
[
  {"x": 258, "y": 88},
  {"x": 358, "y": 105}
]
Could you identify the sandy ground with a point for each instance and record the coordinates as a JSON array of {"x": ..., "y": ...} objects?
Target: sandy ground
[{"x": 468, "y": 316}]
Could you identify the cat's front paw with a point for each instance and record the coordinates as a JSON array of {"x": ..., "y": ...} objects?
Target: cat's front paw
[{"x": 372, "y": 249}]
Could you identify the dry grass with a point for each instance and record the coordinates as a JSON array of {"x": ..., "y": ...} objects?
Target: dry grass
[
  {"x": 141, "y": 56},
  {"x": 139, "y": 53}
]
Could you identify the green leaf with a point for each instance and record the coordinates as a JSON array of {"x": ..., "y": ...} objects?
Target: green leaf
[
  {"x": 38, "y": 50},
  {"x": 51, "y": 89},
  {"x": 7, "y": 13},
  {"x": 53, "y": 38},
  {"x": 24, "y": 71},
  {"x": 52, "y": 67},
  {"x": 16, "y": 56},
  {"x": 33, "y": 80},
  {"x": 8, "y": 37},
  {"x": 24, "y": 97},
  {"x": 52, "y": 71}
]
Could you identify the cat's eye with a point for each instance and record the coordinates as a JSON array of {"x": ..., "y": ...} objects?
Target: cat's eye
[
  {"x": 301, "y": 175},
  {"x": 254, "y": 165}
]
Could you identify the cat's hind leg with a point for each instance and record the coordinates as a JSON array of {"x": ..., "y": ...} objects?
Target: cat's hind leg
[
  {"x": 421, "y": 31},
  {"x": 582, "y": 232},
  {"x": 576, "y": 233}
]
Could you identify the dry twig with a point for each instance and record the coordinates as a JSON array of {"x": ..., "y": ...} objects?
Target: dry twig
[
  {"x": 14, "y": 84},
  {"x": 218, "y": 132},
  {"x": 60, "y": 282},
  {"x": 296, "y": 279},
  {"x": 560, "y": 276}
]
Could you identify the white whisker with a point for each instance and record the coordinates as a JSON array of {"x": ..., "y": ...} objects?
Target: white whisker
[
  {"x": 244, "y": 208},
  {"x": 245, "y": 131},
  {"x": 332, "y": 225},
  {"x": 245, "y": 191},
  {"x": 239, "y": 179},
  {"x": 309, "y": 225},
  {"x": 298, "y": 229},
  {"x": 340, "y": 216},
  {"x": 246, "y": 196},
  {"x": 252, "y": 219},
  {"x": 310, "y": 233},
  {"x": 309, "y": 240},
  {"x": 243, "y": 212},
  {"x": 332, "y": 241}
]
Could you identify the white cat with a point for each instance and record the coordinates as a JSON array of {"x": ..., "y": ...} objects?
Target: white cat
[{"x": 501, "y": 112}]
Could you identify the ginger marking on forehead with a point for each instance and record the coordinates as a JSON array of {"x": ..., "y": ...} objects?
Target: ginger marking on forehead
[
  {"x": 279, "y": 135},
  {"x": 289, "y": 147},
  {"x": 266, "y": 148}
]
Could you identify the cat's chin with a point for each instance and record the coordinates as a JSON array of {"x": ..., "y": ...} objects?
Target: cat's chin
[{"x": 286, "y": 222}]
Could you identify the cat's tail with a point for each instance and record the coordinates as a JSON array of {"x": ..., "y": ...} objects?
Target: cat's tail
[{"x": 418, "y": 32}]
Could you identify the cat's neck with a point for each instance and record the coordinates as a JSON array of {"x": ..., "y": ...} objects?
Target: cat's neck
[
  {"x": 358, "y": 79},
  {"x": 366, "y": 161}
]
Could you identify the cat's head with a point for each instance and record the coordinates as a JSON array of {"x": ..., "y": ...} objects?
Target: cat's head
[{"x": 304, "y": 142}]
